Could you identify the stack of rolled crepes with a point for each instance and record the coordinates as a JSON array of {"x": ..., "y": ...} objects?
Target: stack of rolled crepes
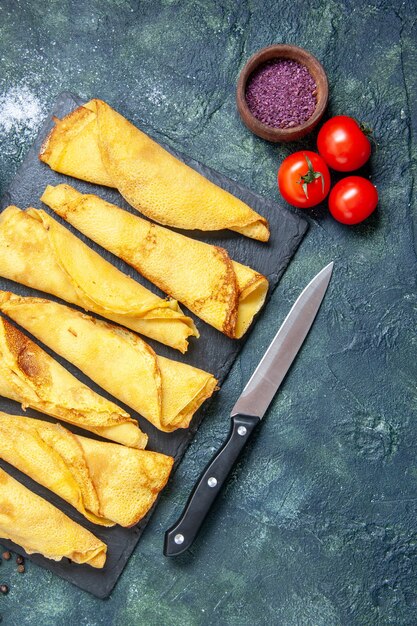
[
  {"x": 109, "y": 483},
  {"x": 37, "y": 251},
  {"x": 167, "y": 393}
]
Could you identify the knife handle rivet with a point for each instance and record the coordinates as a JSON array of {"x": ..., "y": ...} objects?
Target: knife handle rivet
[
  {"x": 242, "y": 430},
  {"x": 179, "y": 539},
  {"x": 212, "y": 482}
]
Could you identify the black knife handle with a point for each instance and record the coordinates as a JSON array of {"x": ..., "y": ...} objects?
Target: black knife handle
[{"x": 182, "y": 534}]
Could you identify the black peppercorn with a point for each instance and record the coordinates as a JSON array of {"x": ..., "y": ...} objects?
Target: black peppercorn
[
  {"x": 21, "y": 569},
  {"x": 6, "y": 556},
  {"x": 4, "y": 589},
  {"x": 20, "y": 560}
]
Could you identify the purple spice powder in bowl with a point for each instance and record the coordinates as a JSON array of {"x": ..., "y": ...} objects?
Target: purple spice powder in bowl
[{"x": 282, "y": 93}]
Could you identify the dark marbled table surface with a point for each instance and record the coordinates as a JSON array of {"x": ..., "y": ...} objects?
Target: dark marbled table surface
[{"x": 317, "y": 526}]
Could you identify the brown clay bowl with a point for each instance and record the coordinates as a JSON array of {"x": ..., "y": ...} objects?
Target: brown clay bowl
[{"x": 282, "y": 51}]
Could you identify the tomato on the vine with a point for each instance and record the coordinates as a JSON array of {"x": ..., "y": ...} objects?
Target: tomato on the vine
[
  {"x": 304, "y": 179},
  {"x": 352, "y": 200},
  {"x": 343, "y": 144}
]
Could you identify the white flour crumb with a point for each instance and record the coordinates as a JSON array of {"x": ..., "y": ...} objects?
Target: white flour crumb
[
  {"x": 156, "y": 96},
  {"x": 20, "y": 110}
]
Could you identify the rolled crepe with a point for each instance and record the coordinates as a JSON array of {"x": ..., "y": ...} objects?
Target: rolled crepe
[
  {"x": 41, "y": 253},
  {"x": 222, "y": 292},
  {"x": 30, "y": 376},
  {"x": 105, "y": 482},
  {"x": 165, "y": 392},
  {"x": 97, "y": 144},
  {"x": 38, "y": 527}
]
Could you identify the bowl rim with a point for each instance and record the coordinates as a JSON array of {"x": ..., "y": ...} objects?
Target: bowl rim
[{"x": 289, "y": 51}]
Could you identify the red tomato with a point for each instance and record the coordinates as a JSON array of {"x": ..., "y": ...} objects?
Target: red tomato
[
  {"x": 304, "y": 179},
  {"x": 342, "y": 144},
  {"x": 352, "y": 200}
]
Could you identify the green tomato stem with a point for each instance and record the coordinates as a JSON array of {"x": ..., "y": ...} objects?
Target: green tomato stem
[{"x": 310, "y": 177}]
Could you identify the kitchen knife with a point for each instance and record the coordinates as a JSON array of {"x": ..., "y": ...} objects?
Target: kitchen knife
[{"x": 249, "y": 410}]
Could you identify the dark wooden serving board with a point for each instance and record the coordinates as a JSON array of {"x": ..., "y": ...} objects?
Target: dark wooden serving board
[{"x": 212, "y": 352}]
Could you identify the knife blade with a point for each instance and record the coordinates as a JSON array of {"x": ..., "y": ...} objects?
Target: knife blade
[{"x": 249, "y": 410}]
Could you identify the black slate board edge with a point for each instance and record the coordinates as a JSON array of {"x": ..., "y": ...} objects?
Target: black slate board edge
[{"x": 287, "y": 231}]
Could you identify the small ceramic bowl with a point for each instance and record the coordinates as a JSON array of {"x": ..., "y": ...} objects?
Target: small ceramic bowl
[{"x": 282, "y": 51}]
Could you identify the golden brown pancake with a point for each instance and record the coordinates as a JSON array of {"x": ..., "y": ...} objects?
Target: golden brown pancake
[
  {"x": 37, "y": 251},
  {"x": 97, "y": 144},
  {"x": 33, "y": 378},
  {"x": 220, "y": 291},
  {"x": 38, "y": 527}
]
